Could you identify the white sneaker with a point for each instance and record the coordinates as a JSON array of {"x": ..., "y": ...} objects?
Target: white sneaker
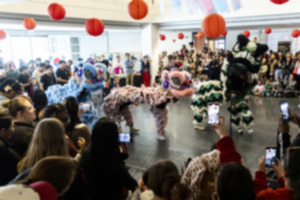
[
  {"x": 161, "y": 137},
  {"x": 250, "y": 131},
  {"x": 198, "y": 127},
  {"x": 240, "y": 130}
]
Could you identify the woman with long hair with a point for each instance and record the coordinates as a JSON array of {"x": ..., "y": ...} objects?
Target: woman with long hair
[
  {"x": 48, "y": 140},
  {"x": 103, "y": 163}
]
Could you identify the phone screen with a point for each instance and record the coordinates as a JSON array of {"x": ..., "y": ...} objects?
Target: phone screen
[
  {"x": 86, "y": 107},
  {"x": 284, "y": 108},
  {"x": 124, "y": 137},
  {"x": 25, "y": 94},
  {"x": 213, "y": 114},
  {"x": 270, "y": 156}
]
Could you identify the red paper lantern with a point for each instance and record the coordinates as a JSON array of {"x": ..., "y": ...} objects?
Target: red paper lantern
[
  {"x": 246, "y": 33},
  {"x": 2, "y": 35},
  {"x": 213, "y": 25},
  {"x": 162, "y": 37},
  {"x": 200, "y": 35},
  {"x": 137, "y": 9},
  {"x": 295, "y": 33},
  {"x": 268, "y": 30},
  {"x": 56, "y": 11},
  {"x": 94, "y": 27},
  {"x": 279, "y": 1},
  {"x": 225, "y": 33},
  {"x": 29, "y": 23},
  {"x": 180, "y": 36}
]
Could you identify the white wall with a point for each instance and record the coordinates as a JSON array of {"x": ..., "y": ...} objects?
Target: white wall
[
  {"x": 93, "y": 45},
  {"x": 125, "y": 41}
]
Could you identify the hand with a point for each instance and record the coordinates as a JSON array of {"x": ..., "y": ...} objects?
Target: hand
[
  {"x": 283, "y": 125},
  {"x": 261, "y": 164},
  {"x": 220, "y": 128},
  {"x": 278, "y": 168},
  {"x": 294, "y": 117},
  {"x": 81, "y": 143}
]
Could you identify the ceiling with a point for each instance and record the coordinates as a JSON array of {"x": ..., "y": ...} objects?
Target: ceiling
[{"x": 166, "y": 13}]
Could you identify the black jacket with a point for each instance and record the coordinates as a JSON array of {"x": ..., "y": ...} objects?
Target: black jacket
[
  {"x": 106, "y": 177},
  {"x": 8, "y": 163},
  {"x": 21, "y": 137}
]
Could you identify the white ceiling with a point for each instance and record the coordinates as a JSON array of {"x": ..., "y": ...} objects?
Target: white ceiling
[{"x": 160, "y": 11}]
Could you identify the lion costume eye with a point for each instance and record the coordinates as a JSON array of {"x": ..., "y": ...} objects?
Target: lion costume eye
[{"x": 88, "y": 74}]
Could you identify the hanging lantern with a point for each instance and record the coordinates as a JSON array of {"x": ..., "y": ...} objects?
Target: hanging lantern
[
  {"x": 29, "y": 23},
  {"x": 180, "y": 36},
  {"x": 162, "y": 37},
  {"x": 279, "y": 1},
  {"x": 94, "y": 27},
  {"x": 213, "y": 25},
  {"x": 137, "y": 9},
  {"x": 200, "y": 35},
  {"x": 56, "y": 11},
  {"x": 225, "y": 33},
  {"x": 246, "y": 33},
  {"x": 174, "y": 40},
  {"x": 295, "y": 33},
  {"x": 268, "y": 30},
  {"x": 2, "y": 35}
]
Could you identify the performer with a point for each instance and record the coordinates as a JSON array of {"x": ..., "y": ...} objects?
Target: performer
[{"x": 236, "y": 75}]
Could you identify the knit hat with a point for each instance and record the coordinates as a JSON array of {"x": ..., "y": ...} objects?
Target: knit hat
[{"x": 37, "y": 191}]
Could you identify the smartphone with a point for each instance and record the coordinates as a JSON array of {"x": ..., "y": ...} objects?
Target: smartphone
[
  {"x": 213, "y": 113},
  {"x": 270, "y": 156},
  {"x": 124, "y": 137},
  {"x": 86, "y": 107},
  {"x": 284, "y": 109}
]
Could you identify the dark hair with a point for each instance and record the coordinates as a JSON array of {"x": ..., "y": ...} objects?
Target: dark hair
[
  {"x": 15, "y": 86},
  {"x": 127, "y": 54},
  {"x": 62, "y": 61},
  {"x": 40, "y": 101},
  {"x": 23, "y": 68},
  {"x": 54, "y": 109},
  {"x": 48, "y": 66},
  {"x": 164, "y": 180},
  {"x": 42, "y": 65},
  {"x": 234, "y": 182},
  {"x": 293, "y": 171},
  {"x": 71, "y": 105},
  {"x": 105, "y": 139},
  {"x": 5, "y": 120}
]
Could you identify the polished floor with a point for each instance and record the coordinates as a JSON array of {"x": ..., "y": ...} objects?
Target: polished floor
[{"x": 183, "y": 141}]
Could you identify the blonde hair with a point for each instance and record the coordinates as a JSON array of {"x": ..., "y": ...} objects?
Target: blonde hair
[
  {"x": 56, "y": 170},
  {"x": 48, "y": 140},
  {"x": 15, "y": 105}
]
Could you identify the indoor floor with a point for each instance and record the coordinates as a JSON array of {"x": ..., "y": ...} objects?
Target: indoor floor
[{"x": 184, "y": 141}]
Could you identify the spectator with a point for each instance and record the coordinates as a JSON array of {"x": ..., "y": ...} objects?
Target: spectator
[
  {"x": 59, "y": 112},
  {"x": 103, "y": 164},
  {"x": 118, "y": 66},
  {"x": 59, "y": 171},
  {"x": 8, "y": 157},
  {"x": 40, "y": 102},
  {"x": 277, "y": 88},
  {"x": 23, "y": 114},
  {"x": 296, "y": 70},
  {"x": 9, "y": 89},
  {"x": 76, "y": 128},
  {"x": 273, "y": 64},
  {"x": 129, "y": 66},
  {"x": 104, "y": 61},
  {"x": 259, "y": 89},
  {"x": 263, "y": 71},
  {"x": 111, "y": 72},
  {"x": 164, "y": 60},
  {"x": 62, "y": 73},
  {"x": 24, "y": 80},
  {"x": 36, "y": 75},
  {"x": 47, "y": 78},
  {"x": 69, "y": 66},
  {"x": 145, "y": 71},
  {"x": 291, "y": 86},
  {"x": 11, "y": 72},
  {"x": 48, "y": 140},
  {"x": 268, "y": 88}
]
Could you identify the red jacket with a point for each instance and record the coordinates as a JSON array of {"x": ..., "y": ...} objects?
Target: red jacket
[
  {"x": 264, "y": 193},
  {"x": 227, "y": 150}
]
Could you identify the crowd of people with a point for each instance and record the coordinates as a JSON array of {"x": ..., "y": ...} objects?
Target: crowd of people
[{"x": 48, "y": 150}]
